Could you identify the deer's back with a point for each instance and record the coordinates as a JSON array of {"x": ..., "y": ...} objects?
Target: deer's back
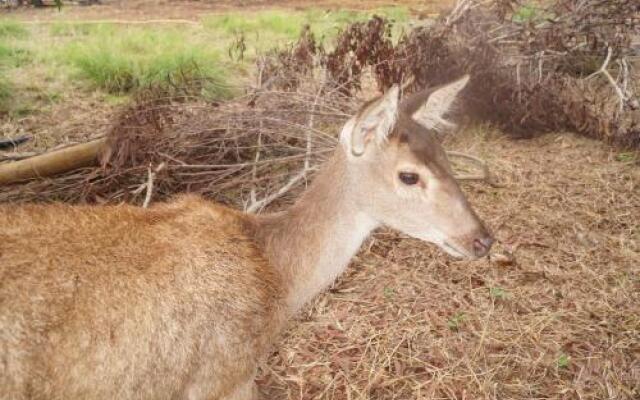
[{"x": 117, "y": 302}]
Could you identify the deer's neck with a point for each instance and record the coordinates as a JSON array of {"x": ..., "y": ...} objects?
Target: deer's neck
[{"x": 312, "y": 242}]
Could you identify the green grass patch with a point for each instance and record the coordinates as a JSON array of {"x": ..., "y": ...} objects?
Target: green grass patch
[
  {"x": 12, "y": 29},
  {"x": 563, "y": 361},
  {"x": 531, "y": 12},
  {"x": 455, "y": 322},
  {"x": 13, "y": 56},
  {"x": 39, "y": 63},
  {"x": 268, "y": 28},
  {"x": 626, "y": 157},
  {"x": 130, "y": 59},
  {"x": 525, "y": 12},
  {"x": 67, "y": 29},
  {"x": 498, "y": 293},
  {"x": 273, "y": 23},
  {"x": 5, "y": 96}
]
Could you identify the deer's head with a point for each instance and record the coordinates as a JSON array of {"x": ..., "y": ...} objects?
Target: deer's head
[{"x": 402, "y": 173}]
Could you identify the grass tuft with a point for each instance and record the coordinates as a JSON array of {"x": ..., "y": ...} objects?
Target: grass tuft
[
  {"x": 527, "y": 12},
  {"x": 12, "y": 56},
  {"x": 266, "y": 28},
  {"x": 562, "y": 361},
  {"x": 62, "y": 29},
  {"x": 136, "y": 59},
  {"x": 5, "y": 95},
  {"x": 12, "y": 29},
  {"x": 276, "y": 23}
]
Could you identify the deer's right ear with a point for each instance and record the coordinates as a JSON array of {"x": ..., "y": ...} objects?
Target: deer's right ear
[
  {"x": 428, "y": 107},
  {"x": 372, "y": 124}
]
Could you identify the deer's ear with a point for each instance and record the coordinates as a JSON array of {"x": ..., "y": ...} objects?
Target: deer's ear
[
  {"x": 430, "y": 113},
  {"x": 372, "y": 124}
]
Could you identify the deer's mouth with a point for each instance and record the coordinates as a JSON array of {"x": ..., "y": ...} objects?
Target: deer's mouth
[
  {"x": 458, "y": 251},
  {"x": 455, "y": 250}
]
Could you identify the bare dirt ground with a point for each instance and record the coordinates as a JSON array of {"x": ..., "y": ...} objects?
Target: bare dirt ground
[{"x": 562, "y": 321}]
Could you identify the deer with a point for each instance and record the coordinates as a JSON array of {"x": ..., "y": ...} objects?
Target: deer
[{"x": 182, "y": 300}]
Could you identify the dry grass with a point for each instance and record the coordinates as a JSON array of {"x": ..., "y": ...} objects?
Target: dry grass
[
  {"x": 77, "y": 120},
  {"x": 562, "y": 322}
]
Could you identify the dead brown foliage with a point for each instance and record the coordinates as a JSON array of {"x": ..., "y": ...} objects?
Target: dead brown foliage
[
  {"x": 360, "y": 45},
  {"x": 569, "y": 65},
  {"x": 286, "y": 68}
]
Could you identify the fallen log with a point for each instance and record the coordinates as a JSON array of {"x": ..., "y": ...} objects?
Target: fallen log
[{"x": 51, "y": 163}]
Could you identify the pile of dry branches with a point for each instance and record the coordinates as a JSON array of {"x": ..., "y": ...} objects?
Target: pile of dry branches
[
  {"x": 569, "y": 65},
  {"x": 247, "y": 152}
]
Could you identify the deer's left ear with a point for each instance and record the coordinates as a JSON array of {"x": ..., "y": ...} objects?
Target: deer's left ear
[
  {"x": 430, "y": 106},
  {"x": 372, "y": 124}
]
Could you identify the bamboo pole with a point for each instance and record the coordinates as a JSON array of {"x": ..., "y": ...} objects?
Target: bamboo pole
[{"x": 51, "y": 163}]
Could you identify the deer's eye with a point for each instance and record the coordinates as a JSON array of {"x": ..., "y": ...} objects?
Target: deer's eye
[{"x": 408, "y": 178}]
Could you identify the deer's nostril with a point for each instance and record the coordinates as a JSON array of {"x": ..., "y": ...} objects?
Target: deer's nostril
[{"x": 482, "y": 246}]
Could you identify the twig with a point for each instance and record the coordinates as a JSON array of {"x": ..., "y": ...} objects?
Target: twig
[
  {"x": 149, "y": 185},
  {"x": 540, "y": 64},
  {"x": 260, "y": 204},
  {"x": 252, "y": 194},
  {"x": 458, "y": 10},
  {"x": 246, "y": 164},
  {"x": 485, "y": 176},
  {"x": 603, "y": 70}
]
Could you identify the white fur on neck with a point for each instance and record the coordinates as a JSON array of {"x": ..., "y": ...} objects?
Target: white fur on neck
[{"x": 343, "y": 242}]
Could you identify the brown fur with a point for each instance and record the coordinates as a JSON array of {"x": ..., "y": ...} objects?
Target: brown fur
[{"x": 121, "y": 302}]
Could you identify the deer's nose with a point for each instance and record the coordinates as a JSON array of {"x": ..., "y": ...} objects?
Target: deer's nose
[{"x": 481, "y": 246}]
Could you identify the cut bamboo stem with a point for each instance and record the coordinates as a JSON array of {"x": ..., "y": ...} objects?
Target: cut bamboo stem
[{"x": 52, "y": 163}]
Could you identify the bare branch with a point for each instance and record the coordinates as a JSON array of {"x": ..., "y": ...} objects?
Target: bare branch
[
  {"x": 603, "y": 70},
  {"x": 259, "y": 205},
  {"x": 149, "y": 185},
  {"x": 484, "y": 176},
  {"x": 252, "y": 194}
]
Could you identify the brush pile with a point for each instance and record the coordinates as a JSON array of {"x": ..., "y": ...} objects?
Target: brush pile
[
  {"x": 566, "y": 66},
  {"x": 240, "y": 152}
]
